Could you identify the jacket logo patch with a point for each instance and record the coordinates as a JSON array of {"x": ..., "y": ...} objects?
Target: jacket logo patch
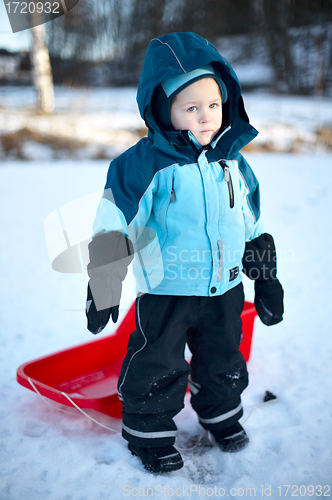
[{"x": 233, "y": 273}]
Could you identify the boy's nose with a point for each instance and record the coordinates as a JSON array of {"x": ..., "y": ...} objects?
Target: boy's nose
[{"x": 205, "y": 116}]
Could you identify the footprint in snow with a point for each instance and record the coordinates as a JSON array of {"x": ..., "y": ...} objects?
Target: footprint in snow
[{"x": 32, "y": 429}]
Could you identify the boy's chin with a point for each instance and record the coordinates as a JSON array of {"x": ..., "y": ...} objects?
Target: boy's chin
[{"x": 205, "y": 142}]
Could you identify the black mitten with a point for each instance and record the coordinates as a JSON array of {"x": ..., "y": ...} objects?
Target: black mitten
[
  {"x": 97, "y": 320},
  {"x": 260, "y": 264},
  {"x": 269, "y": 301},
  {"x": 110, "y": 256}
]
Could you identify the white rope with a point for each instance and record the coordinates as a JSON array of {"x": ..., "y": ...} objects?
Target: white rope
[
  {"x": 199, "y": 440},
  {"x": 258, "y": 405},
  {"x": 74, "y": 404},
  {"x": 253, "y": 407},
  {"x": 88, "y": 416},
  {"x": 46, "y": 400}
]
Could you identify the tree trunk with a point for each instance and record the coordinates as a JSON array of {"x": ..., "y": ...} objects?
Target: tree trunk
[
  {"x": 274, "y": 23},
  {"x": 41, "y": 70}
]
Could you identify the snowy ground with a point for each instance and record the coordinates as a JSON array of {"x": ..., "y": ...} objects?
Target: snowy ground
[
  {"x": 46, "y": 454},
  {"x": 105, "y": 121}
]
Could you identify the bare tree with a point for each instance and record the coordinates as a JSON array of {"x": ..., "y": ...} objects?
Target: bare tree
[
  {"x": 75, "y": 35},
  {"x": 119, "y": 31},
  {"x": 41, "y": 69}
]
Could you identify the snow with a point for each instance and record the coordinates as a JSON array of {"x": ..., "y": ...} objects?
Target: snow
[
  {"x": 102, "y": 120},
  {"x": 106, "y": 121},
  {"x": 49, "y": 454}
]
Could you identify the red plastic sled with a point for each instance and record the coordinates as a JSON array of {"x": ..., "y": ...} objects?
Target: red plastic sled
[{"x": 88, "y": 373}]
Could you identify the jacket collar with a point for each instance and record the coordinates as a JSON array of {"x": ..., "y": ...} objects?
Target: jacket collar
[{"x": 183, "y": 142}]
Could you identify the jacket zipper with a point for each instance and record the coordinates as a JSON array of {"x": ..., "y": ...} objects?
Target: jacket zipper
[{"x": 228, "y": 179}]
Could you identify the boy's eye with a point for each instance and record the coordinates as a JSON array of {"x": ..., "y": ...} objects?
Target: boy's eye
[
  {"x": 213, "y": 105},
  {"x": 192, "y": 109}
]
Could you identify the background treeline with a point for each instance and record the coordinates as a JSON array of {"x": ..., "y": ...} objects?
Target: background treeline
[{"x": 104, "y": 41}]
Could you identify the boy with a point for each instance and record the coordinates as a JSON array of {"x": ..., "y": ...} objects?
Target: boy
[{"x": 186, "y": 203}]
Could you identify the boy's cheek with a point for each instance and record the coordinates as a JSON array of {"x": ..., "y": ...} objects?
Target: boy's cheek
[{"x": 176, "y": 121}]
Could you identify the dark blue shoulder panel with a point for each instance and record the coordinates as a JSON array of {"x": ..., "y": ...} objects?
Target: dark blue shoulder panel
[
  {"x": 252, "y": 184},
  {"x": 130, "y": 174}
]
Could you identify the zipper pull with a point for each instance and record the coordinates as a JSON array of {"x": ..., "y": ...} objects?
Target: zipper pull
[{"x": 226, "y": 174}]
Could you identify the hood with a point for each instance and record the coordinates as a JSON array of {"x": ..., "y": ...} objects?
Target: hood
[{"x": 178, "y": 53}]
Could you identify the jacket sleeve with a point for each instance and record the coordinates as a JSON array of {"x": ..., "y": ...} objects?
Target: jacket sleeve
[
  {"x": 249, "y": 189},
  {"x": 127, "y": 201}
]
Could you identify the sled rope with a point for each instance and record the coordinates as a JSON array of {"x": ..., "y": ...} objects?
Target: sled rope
[
  {"x": 258, "y": 405},
  {"x": 189, "y": 448},
  {"x": 46, "y": 399},
  {"x": 88, "y": 416},
  {"x": 69, "y": 412},
  {"x": 252, "y": 407}
]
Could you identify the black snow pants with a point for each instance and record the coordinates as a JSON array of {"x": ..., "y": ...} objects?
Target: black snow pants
[{"x": 154, "y": 375}]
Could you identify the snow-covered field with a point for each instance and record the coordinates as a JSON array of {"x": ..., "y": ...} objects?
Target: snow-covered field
[
  {"x": 106, "y": 121},
  {"x": 48, "y": 454}
]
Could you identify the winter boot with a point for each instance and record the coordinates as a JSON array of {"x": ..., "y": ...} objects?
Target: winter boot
[
  {"x": 158, "y": 460},
  {"x": 231, "y": 439}
]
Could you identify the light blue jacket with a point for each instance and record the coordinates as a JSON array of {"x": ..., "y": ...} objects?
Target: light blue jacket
[{"x": 188, "y": 210}]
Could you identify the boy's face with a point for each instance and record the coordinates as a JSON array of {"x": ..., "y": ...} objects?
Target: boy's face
[{"x": 198, "y": 108}]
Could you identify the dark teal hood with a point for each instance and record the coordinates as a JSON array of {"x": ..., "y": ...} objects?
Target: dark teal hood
[{"x": 178, "y": 53}]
